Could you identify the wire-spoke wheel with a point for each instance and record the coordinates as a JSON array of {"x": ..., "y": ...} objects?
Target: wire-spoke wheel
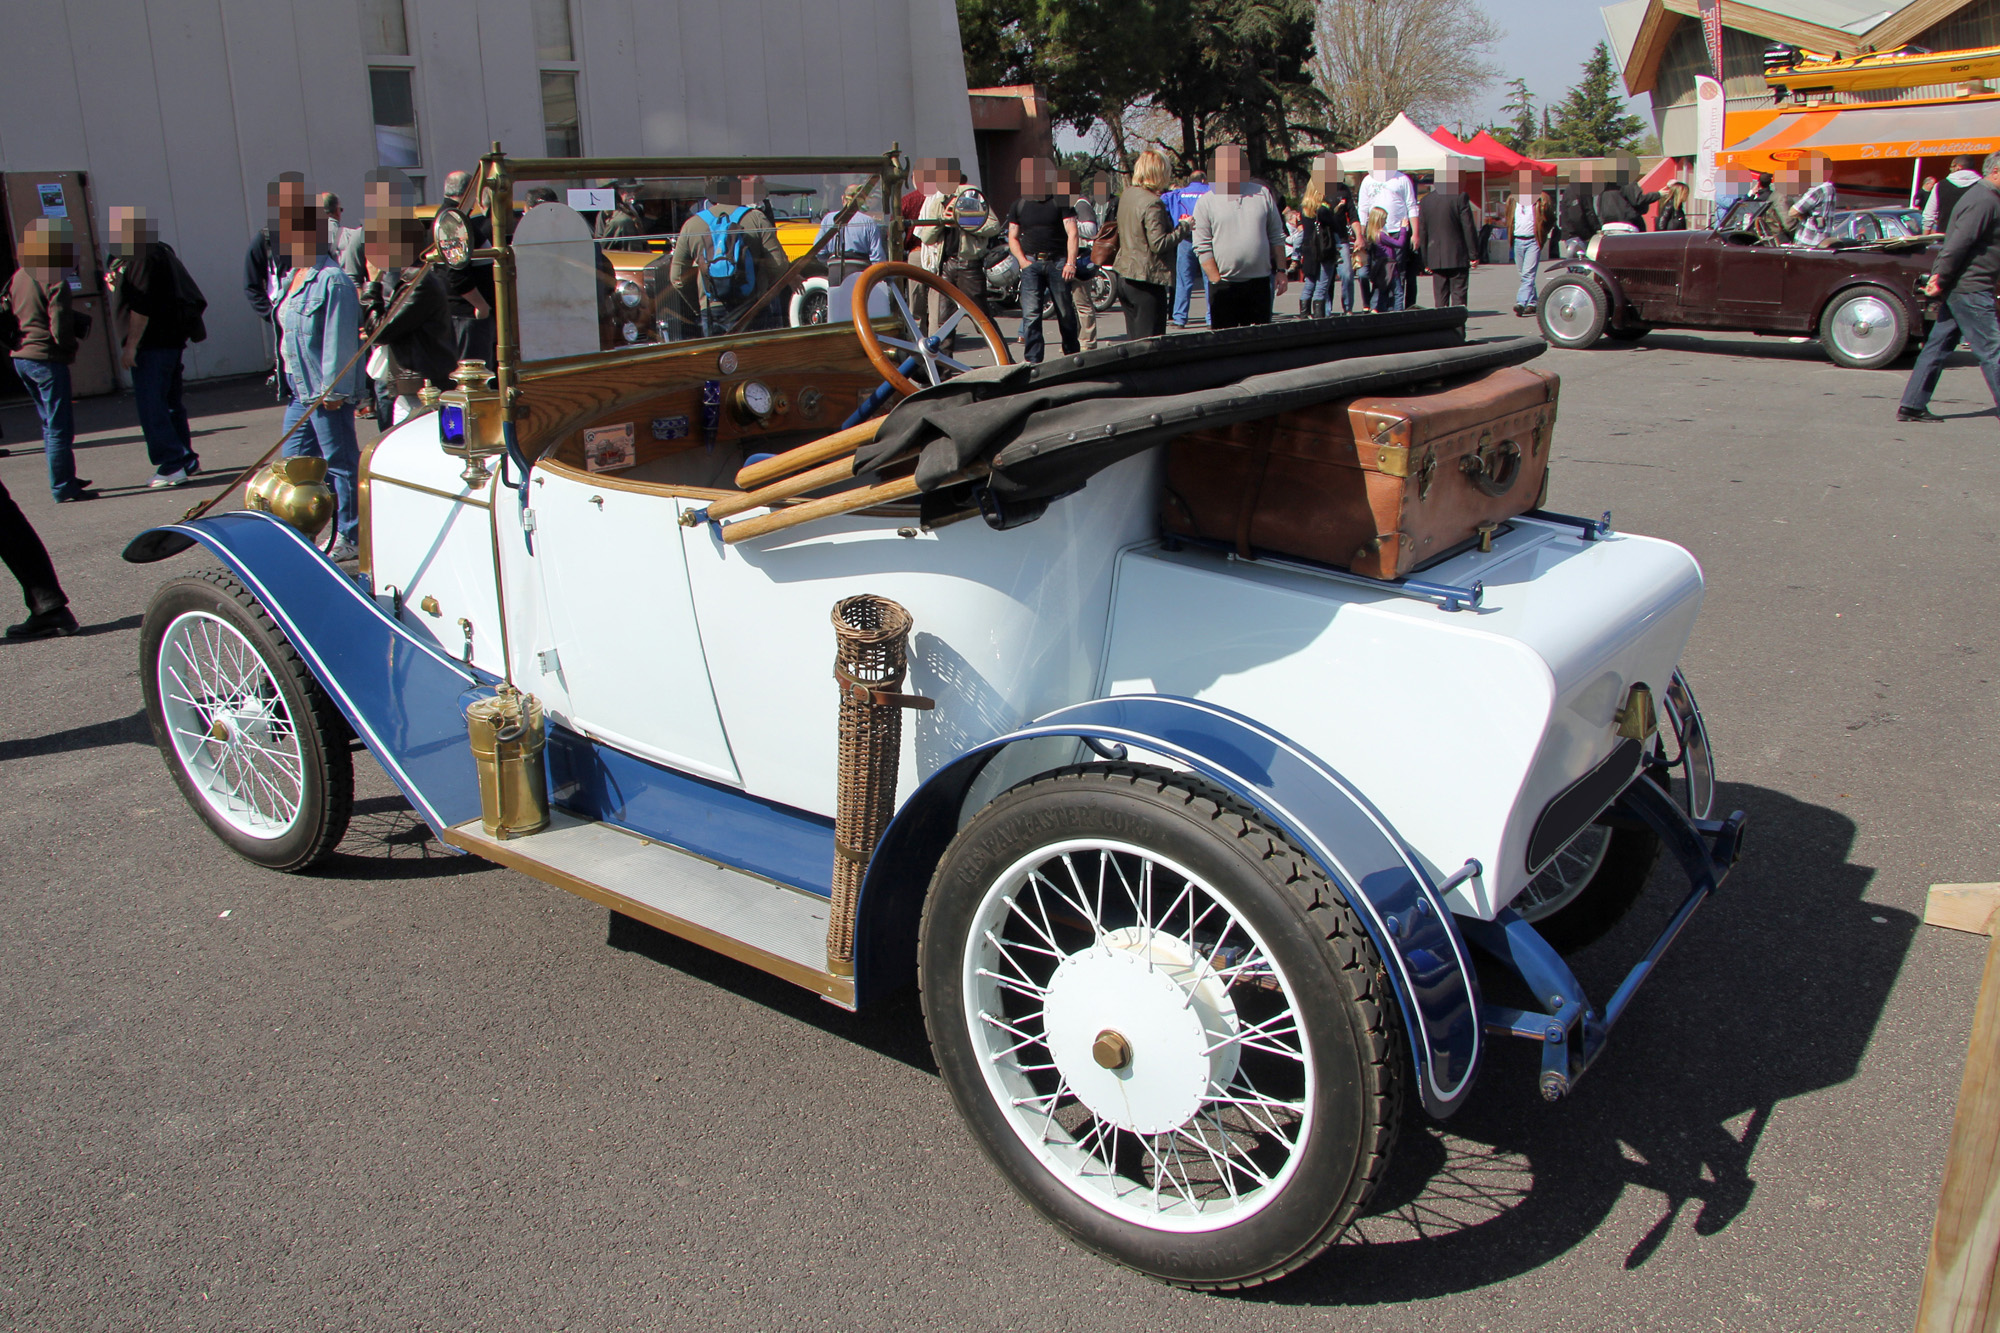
[
  {"x": 1595, "y": 879},
  {"x": 1163, "y": 1023},
  {"x": 254, "y": 744}
]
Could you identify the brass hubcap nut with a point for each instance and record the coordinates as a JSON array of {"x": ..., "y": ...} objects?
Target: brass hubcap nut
[{"x": 1111, "y": 1050}]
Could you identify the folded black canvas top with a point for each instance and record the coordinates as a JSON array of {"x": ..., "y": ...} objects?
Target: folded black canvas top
[{"x": 1043, "y": 430}]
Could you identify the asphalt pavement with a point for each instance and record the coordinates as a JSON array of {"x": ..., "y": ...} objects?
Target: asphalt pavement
[{"x": 414, "y": 1091}]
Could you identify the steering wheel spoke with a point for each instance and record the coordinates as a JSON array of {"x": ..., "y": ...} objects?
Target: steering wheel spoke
[{"x": 919, "y": 352}]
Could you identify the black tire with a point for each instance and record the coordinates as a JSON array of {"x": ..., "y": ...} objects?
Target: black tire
[
  {"x": 1339, "y": 991},
  {"x": 1864, "y": 328},
  {"x": 326, "y": 761},
  {"x": 1572, "y": 313},
  {"x": 812, "y": 306},
  {"x": 1604, "y": 898},
  {"x": 1103, "y": 290}
]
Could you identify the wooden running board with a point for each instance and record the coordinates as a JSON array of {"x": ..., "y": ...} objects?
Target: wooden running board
[{"x": 771, "y": 926}]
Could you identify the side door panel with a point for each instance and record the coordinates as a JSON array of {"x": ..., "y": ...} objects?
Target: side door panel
[{"x": 623, "y": 621}]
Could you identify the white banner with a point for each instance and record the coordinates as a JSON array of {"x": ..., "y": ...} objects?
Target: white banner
[{"x": 1709, "y": 104}]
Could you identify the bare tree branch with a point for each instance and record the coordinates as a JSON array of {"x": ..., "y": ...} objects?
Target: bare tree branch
[{"x": 1373, "y": 58}]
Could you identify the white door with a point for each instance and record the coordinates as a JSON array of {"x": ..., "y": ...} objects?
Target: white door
[{"x": 616, "y": 584}]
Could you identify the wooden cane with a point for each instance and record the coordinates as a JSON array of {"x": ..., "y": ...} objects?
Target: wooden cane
[
  {"x": 836, "y": 445},
  {"x": 862, "y": 497}
]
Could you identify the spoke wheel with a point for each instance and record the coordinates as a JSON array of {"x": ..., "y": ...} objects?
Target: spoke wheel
[
  {"x": 1164, "y": 1024},
  {"x": 932, "y": 353},
  {"x": 255, "y": 746},
  {"x": 1597, "y": 877}
]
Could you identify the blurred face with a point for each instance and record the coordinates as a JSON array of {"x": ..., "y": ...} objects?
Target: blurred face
[
  {"x": 131, "y": 230},
  {"x": 1038, "y": 176},
  {"x": 1232, "y": 168},
  {"x": 48, "y": 248},
  {"x": 1524, "y": 183},
  {"x": 1447, "y": 180},
  {"x": 749, "y": 189},
  {"x": 393, "y": 236},
  {"x": 298, "y": 223},
  {"x": 1385, "y": 159}
]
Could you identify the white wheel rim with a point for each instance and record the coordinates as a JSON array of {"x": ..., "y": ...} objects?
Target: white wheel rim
[
  {"x": 1204, "y": 1121},
  {"x": 1559, "y": 882},
  {"x": 1569, "y": 310},
  {"x": 231, "y": 729},
  {"x": 1865, "y": 327}
]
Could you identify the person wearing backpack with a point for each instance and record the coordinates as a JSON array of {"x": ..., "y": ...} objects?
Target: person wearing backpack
[
  {"x": 160, "y": 310},
  {"x": 726, "y": 257},
  {"x": 41, "y": 332}
]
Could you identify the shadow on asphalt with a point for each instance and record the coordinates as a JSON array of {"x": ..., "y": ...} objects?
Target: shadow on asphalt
[
  {"x": 130, "y": 730},
  {"x": 1773, "y": 992},
  {"x": 387, "y": 840}
]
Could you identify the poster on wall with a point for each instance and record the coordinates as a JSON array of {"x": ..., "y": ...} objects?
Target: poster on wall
[
  {"x": 1709, "y": 105},
  {"x": 53, "y": 205}
]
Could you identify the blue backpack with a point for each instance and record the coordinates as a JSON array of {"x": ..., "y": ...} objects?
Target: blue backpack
[{"x": 731, "y": 275}]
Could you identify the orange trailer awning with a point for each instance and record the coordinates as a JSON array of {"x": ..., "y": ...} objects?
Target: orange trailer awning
[{"x": 1768, "y": 140}]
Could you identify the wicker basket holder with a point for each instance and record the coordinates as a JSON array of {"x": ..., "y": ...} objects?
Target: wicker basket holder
[{"x": 871, "y": 655}]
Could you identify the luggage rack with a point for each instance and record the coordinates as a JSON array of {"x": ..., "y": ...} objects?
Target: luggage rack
[
  {"x": 1449, "y": 597},
  {"x": 1446, "y": 596}
]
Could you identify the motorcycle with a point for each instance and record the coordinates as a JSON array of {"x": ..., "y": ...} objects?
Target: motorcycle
[{"x": 1003, "y": 279}]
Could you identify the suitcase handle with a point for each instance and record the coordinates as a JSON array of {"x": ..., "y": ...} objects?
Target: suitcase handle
[{"x": 1493, "y": 468}]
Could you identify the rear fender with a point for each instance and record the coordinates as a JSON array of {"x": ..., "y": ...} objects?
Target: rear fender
[
  {"x": 402, "y": 696},
  {"x": 1913, "y": 311},
  {"x": 1403, "y": 911}
]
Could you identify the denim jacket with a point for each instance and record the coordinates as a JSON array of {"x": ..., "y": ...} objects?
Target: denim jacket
[{"x": 319, "y": 322}]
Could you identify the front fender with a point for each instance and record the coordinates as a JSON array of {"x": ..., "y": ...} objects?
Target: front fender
[
  {"x": 1398, "y": 904},
  {"x": 402, "y": 696}
]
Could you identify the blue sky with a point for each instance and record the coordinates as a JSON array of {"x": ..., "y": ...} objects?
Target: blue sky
[{"x": 1547, "y": 42}]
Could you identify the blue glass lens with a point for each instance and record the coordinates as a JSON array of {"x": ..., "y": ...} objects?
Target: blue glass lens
[{"x": 451, "y": 424}]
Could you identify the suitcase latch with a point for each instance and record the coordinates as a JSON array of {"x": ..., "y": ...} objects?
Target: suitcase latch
[{"x": 1426, "y": 470}]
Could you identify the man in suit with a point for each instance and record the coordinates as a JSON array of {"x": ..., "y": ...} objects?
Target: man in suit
[{"x": 1450, "y": 239}]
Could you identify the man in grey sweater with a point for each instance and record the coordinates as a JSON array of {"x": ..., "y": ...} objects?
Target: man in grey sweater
[
  {"x": 1965, "y": 272},
  {"x": 1239, "y": 238}
]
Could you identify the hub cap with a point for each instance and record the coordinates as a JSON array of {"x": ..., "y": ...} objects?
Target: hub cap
[
  {"x": 1864, "y": 327},
  {"x": 1137, "y": 1036},
  {"x": 1570, "y": 313},
  {"x": 230, "y": 726}
]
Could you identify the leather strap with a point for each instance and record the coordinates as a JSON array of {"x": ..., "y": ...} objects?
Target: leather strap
[
  {"x": 1261, "y": 432},
  {"x": 871, "y": 694}
]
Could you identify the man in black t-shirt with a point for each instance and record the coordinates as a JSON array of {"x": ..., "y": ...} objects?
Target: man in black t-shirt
[
  {"x": 151, "y": 297},
  {"x": 1041, "y": 231}
]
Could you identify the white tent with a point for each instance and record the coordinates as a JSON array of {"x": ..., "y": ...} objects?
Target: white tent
[{"x": 1415, "y": 150}]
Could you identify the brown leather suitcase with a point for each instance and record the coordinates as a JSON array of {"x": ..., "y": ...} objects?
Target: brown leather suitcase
[{"x": 1381, "y": 484}]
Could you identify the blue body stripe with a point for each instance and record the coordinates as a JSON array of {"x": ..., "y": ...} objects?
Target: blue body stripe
[
  {"x": 1399, "y": 905},
  {"x": 402, "y": 696},
  {"x": 725, "y": 825}
]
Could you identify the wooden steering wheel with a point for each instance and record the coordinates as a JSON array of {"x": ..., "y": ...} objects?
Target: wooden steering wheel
[{"x": 932, "y": 364}]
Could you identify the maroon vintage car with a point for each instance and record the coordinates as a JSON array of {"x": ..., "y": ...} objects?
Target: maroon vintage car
[{"x": 1859, "y": 298}]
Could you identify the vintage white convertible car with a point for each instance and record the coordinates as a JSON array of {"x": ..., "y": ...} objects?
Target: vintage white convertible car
[{"x": 1190, "y": 853}]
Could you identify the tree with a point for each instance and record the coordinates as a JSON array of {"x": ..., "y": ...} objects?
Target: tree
[
  {"x": 1592, "y": 120},
  {"x": 1375, "y": 58},
  {"x": 1092, "y": 58},
  {"x": 1243, "y": 76},
  {"x": 1520, "y": 107}
]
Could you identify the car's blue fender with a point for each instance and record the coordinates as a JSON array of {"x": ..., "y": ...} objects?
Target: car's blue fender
[
  {"x": 403, "y": 697},
  {"x": 1427, "y": 960}
]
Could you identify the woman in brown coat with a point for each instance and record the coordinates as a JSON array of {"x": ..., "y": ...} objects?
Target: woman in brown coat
[{"x": 1146, "y": 245}]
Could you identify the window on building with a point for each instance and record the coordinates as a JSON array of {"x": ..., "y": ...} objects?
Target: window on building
[
  {"x": 560, "y": 123},
  {"x": 552, "y": 33},
  {"x": 395, "y": 118},
  {"x": 383, "y": 30}
]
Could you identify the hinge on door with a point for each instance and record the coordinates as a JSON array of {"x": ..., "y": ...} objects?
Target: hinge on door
[
  {"x": 527, "y": 520},
  {"x": 550, "y": 663}
]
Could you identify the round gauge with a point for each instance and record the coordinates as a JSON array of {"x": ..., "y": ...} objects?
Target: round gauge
[
  {"x": 726, "y": 363},
  {"x": 754, "y": 400},
  {"x": 629, "y": 294},
  {"x": 630, "y": 332}
]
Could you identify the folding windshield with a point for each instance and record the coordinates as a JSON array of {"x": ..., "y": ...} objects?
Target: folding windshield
[{"x": 630, "y": 262}]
